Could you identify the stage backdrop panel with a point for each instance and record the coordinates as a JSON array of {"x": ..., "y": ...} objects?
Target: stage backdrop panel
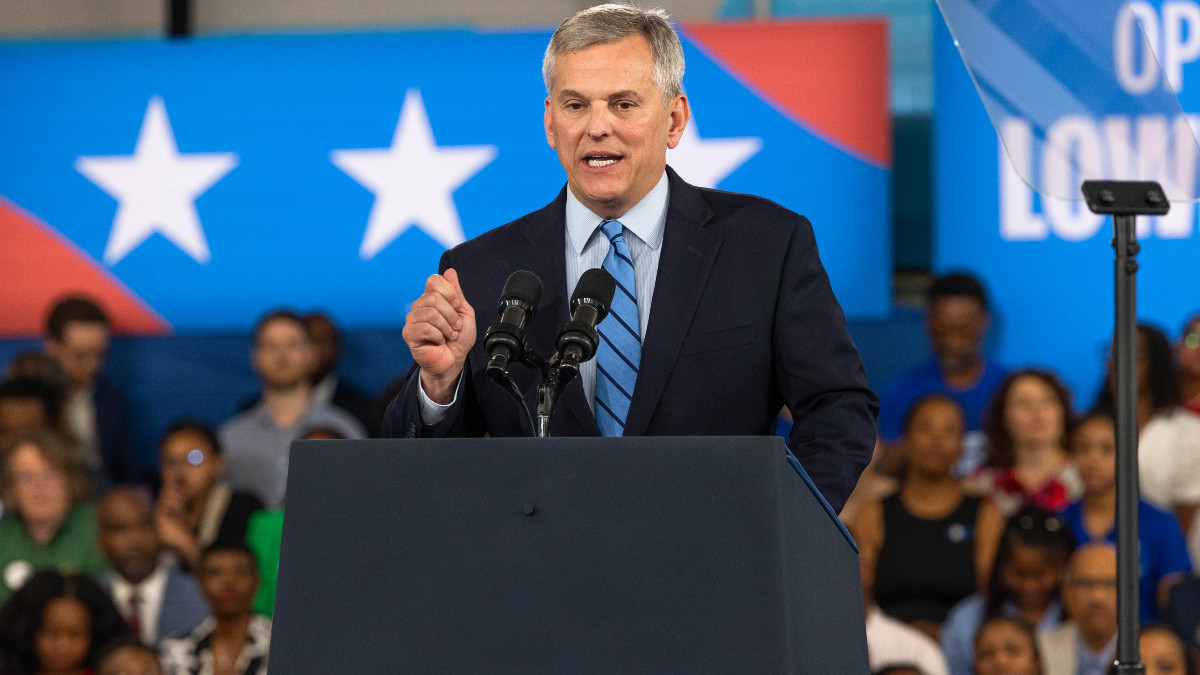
[
  {"x": 194, "y": 184},
  {"x": 1047, "y": 263}
]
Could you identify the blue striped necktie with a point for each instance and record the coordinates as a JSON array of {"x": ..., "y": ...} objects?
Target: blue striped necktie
[{"x": 620, "y": 350}]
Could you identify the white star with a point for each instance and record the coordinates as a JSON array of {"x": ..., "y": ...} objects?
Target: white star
[
  {"x": 156, "y": 188},
  {"x": 413, "y": 180},
  {"x": 706, "y": 162}
]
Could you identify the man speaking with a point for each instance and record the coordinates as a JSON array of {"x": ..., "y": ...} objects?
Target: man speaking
[{"x": 722, "y": 312}]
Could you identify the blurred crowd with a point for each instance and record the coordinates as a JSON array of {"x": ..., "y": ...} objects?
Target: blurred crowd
[{"x": 986, "y": 521}]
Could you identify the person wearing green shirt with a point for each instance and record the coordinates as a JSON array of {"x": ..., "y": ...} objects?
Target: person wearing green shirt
[{"x": 48, "y": 523}]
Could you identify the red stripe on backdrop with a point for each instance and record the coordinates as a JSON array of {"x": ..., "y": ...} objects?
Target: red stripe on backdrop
[
  {"x": 38, "y": 266},
  {"x": 832, "y": 75}
]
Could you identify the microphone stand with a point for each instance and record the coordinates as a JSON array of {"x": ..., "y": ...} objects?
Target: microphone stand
[
  {"x": 1124, "y": 201},
  {"x": 555, "y": 378}
]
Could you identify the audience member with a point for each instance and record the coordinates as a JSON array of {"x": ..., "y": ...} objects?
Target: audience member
[
  {"x": 232, "y": 639},
  {"x": 1164, "y": 557},
  {"x": 891, "y": 642},
  {"x": 55, "y": 625},
  {"x": 924, "y": 535},
  {"x": 1183, "y": 610},
  {"x": 1085, "y": 645},
  {"x": 38, "y": 365},
  {"x": 49, "y": 523},
  {"x": 328, "y": 386},
  {"x": 27, "y": 403},
  {"x": 1028, "y": 422},
  {"x": 1164, "y": 653},
  {"x": 1188, "y": 354},
  {"x": 127, "y": 656},
  {"x": 257, "y": 441},
  {"x": 155, "y": 599},
  {"x": 1006, "y": 645},
  {"x": 1034, "y": 550},
  {"x": 1169, "y": 434},
  {"x": 956, "y": 321},
  {"x": 77, "y": 336},
  {"x": 196, "y": 507}
]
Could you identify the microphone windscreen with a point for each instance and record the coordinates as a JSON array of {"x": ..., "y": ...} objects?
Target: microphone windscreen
[
  {"x": 597, "y": 286},
  {"x": 522, "y": 286}
]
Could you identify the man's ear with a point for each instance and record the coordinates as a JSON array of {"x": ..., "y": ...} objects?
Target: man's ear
[
  {"x": 546, "y": 120},
  {"x": 679, "y": 113}
]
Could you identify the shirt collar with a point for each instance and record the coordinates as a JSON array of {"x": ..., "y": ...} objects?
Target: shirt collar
[{"x": 647, "y": 220}]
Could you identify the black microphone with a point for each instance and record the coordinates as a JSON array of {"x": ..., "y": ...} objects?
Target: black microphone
[
  {"x": 505, "y": 340},
  {"x": 578, "y": 339}
]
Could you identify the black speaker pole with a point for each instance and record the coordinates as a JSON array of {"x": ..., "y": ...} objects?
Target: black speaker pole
[
  {"x": 1125, "y": 201},
  {"x": 179, "y": 18}
]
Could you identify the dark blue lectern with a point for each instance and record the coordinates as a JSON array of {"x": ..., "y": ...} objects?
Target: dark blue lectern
[{"x": 564, "y": 555}]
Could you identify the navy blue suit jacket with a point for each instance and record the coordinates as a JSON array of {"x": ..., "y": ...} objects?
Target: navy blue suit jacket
[
  {"x": 183, "y": 606},
  {"x": 743, "y": 320}
]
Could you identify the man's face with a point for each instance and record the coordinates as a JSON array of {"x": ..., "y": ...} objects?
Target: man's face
[
  {"x": 1090, "y": 592},
  {"x": 956, "y": 327},
  {"x": 81, "y": 351},
  {"x": 283, "y": 354},
  {"x": 609, "y": 124},
  {"x": 229, "y": 581},
  {"x": 127, "y": 537}
]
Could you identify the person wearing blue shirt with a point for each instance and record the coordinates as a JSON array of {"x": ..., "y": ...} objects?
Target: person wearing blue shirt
[
  {"x": 957, "y": 321},
  {"x": 1163, "y": 556}
]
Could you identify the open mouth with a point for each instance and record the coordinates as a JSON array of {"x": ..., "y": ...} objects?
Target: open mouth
[{"x": 598, "y": 160}]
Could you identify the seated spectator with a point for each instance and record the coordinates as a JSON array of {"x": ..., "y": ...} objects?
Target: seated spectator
[
  {"x": 1027, "y": 425},
  {"x": 1164, "y": 556},
  {"x": 1188, "y": 355},
  {"x": 127, "y": 656},
  {"x": 924, "y": 535},
  {"x": 1034, "y": 550},
  {"x": 232, "y": 639},
  {"x": 257, "y": 442},
  {"x": 27, "y": 403},
  {"x": 1164, "y": 653},
  {"x": 56, "y": 624},
  {"x": 890, "y": 642},
  {"x": 77, "y": 334},
  {"x": 155, "y": 599},
  {"x": 1183, "y": 610},
  {"x": 957, "y": 321},
  {"x": 1086, "y": 644},
  {"x": 48, "y": 522},
  {"x": 196, "y": 508},
  {"x": 1006, "y": 646},
  {"x": 1168, "y": 437}
]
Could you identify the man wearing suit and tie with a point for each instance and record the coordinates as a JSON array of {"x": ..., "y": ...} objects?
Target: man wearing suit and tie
[{"x": 723, "y": 311}]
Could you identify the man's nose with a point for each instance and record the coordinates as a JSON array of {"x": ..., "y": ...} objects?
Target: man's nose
[{"x": 599, "y": 121}]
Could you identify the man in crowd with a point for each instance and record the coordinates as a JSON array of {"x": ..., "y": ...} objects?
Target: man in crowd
[
  {"x": 155, "y": 599},
  {"x": 328, "y": 386},
  {"x": 1086, "y": 644},
  {"x": 77, "y": 335},
  {"x": 723, "y": 311},
  {"x": 957, "y": 320},
  {"x": 257, "y": 442}
]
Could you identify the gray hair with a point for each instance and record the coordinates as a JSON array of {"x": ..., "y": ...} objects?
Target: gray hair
[{"x": 604, "y": 24}]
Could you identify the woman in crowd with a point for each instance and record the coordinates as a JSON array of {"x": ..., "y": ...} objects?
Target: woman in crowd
[
  {"x": 195, "y": 507},
  {"x": 1034, "y": 549},
  {"x": 1006, "y": 646},
  {"x": 55, "y": 624},
  {"x": 1168, "y": 437},
  {"x": 1164, "y": 653},
  {"x": 1188, "y": 355},
  {"x": 927, "y": 557},
  {"x": 48, "y": 522},
  {"x": 233, "y": 640},
  {"x": 1027, "y": 424},
  {"x": 1164, "y": 556}
]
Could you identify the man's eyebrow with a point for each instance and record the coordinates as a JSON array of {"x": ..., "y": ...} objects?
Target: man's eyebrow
[
  {"x": 569, "y": 93},
  {"x": 566, "y": 94}
]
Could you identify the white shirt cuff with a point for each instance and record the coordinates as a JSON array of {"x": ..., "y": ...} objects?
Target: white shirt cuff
[{"x": 431, "y": 412}]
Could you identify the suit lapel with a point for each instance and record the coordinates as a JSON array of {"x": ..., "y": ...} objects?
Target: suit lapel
[
  {"x": 546, "y": 234},
  {"x": 683, "y": 268}
]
